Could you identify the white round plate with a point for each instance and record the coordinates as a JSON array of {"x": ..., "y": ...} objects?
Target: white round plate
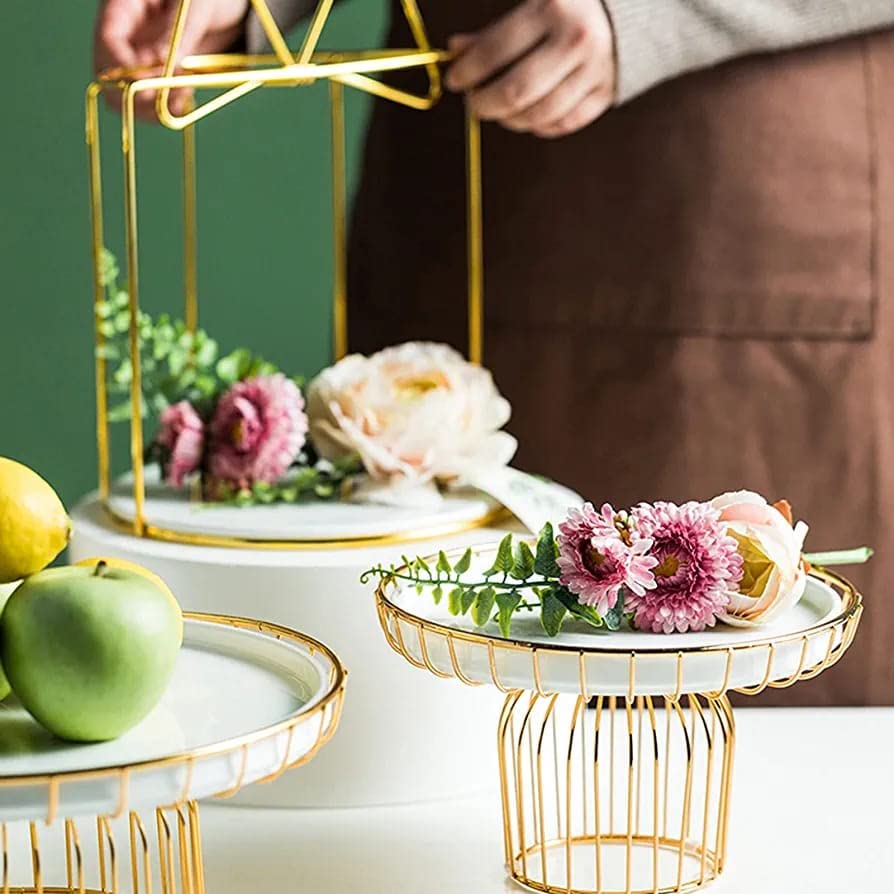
[
  {"x": 583, "y": 659},
  {"x": 243, "y": 705},
  {"x": 172, "y": 510}
]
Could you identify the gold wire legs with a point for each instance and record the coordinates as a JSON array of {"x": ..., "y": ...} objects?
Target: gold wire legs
[
  {"x": 102, "y": 856},
  {"x": 339, "y": 222},
  {"x": 615, "y": 795}
]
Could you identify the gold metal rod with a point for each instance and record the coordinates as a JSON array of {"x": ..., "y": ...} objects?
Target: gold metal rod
[
  {"x": 113, "y": 856},
  {"x": 628, "y": 866},
  {"x": 656, "y": 791},
  {"x": 165, "y": 852},
  {"x": 220, "y": 70},
  {"x": 96, "y": 218},
  {"x": 314, "y": 30},
  {"x": 687, "y": 794},
  {"x": 136, "y": 390},
  {"x": 729, "y": 752},
  {"x": 417, "y": 28},
  {"x": 186, "y": 886},
  {"x": 597, "y": 802},
  {"x": 69, "y": 865},
  {"x": 35, "y": 859},
  {"x": 339, "y": 223},
  {"x": 502, "y": 727},
  {"x": 179, "y": 122},
  {"x": 190, "y": 231},
  {"x": 134, "y": 865},
  {"x": 475, "y": 238},
  {"x": 272, "y": 31},
  {"x": 579, "y": 705},
  {"x": 369, "y": 85},
  {"x": 180, "y": 18},
  {"x": 519, "y": 784},
  {"x": 101, "y": 853},
  {"x": 709, "y": 778},
  {"x": 612, "y": 710},
  {"x": 162, "y": 99},
  {"x": 639, "y": 761},
  {"x": 195, "y": 835},
  {"x": 537, "y": 802}
]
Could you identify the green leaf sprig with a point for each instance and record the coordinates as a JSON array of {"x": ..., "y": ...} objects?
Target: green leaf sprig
[
  {"x": 176, "y": 363},
  {"x": 322, "y": 480},
  {"x": 519, "y": 580}
]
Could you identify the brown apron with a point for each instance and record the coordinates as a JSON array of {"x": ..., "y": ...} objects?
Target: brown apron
[{"x": 690, "y": 296}]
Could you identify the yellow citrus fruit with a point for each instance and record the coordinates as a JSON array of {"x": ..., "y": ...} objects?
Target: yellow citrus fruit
[
  {"x": 34, "y": 527},
  {"x": 125, "y": 565}
]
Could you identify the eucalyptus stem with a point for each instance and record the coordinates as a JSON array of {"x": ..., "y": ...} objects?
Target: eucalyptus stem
[{"x": 470, "y": 584}]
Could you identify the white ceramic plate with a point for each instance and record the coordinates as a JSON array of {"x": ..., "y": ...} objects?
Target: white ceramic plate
[
  {"x": 614, "y": 663},
  {"x": 242, "y": 705},
  {"x": 173, "y": 510}
]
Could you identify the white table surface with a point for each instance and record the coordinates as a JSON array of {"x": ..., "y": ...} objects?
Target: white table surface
[{"x": 812, "y": 812}]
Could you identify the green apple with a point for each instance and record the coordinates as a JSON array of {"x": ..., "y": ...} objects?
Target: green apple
[
  {"x": 6, "y": 591},
  {"x": 89, "y": 651}
]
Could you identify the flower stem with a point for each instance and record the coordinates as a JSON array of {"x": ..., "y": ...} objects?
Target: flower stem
[{"x": 840, "y": 556}]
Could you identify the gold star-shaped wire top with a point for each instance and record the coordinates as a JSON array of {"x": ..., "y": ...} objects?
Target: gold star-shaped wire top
[{"x": 236, "y": 74}]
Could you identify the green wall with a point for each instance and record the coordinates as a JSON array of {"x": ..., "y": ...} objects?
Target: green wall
[{"x": 264, "y": 228}]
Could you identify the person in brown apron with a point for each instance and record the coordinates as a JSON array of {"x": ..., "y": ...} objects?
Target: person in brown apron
[{"x": 690, "y": 291}]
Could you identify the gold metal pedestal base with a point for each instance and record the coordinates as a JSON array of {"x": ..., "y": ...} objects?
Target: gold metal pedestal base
[
  {"x": 615, "y": 795},
  {"x": 102, "y": 856}
]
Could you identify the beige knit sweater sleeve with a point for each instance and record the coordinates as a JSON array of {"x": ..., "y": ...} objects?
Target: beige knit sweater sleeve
[{"x": 657, "y": 40}]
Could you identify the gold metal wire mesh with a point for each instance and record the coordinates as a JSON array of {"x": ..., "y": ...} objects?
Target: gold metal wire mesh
[
  {"x": 159, "y": 852},
  {"x": 615, "y": 795},
  {"x": 229, "y": 77}
]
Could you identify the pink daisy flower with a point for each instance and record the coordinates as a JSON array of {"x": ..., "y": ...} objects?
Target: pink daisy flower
[
  {"x": 697, "y": 564},
  {"x": 182, "y": 436},
  {"x": 258, "y": 429},
  {"x": 599, "y": 556}
]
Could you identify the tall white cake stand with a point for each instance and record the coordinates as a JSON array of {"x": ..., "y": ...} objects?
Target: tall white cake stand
[
  {"x": 248, "y": 700},
  {"x": 616, "y": 749}
]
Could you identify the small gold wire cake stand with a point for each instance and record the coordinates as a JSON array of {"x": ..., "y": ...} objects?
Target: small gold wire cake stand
[
  {"x": 135, "y": 826},
  {"x": 616, "y": 752}
]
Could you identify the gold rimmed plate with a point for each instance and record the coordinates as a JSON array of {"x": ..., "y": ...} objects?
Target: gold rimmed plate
[
  {"x": 247, "y": 701},
  {"x": 809, "y": 637}
]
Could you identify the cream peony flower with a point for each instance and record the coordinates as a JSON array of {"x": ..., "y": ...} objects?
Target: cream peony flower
[
  {"x": 415, "y": 413},
  {"x": 770, "y": 544}
]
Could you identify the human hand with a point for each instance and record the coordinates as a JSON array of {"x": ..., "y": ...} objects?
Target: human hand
[
  {"x": 547, "y": 67},
  {"x": 138, "y": 32}
]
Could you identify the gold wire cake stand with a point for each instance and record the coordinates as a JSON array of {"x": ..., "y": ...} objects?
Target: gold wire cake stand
[
  {"x": 217, "y": 81},
  {"x": 78, "y": 825},
  {"x": 616, "y": 750}
]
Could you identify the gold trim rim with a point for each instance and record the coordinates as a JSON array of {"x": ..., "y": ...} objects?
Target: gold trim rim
[{"x": 169, "y": 535}]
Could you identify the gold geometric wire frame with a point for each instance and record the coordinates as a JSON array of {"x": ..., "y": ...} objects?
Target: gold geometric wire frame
[
  {"x": 235, "y": 75},
  {"x": 164, "y": 854},
  {"x": 615, "y": 794}
]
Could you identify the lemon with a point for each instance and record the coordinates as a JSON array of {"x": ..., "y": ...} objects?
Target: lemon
[
  {"x": 34, "y": 527},
  {"x": 125, "y": 565}
]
